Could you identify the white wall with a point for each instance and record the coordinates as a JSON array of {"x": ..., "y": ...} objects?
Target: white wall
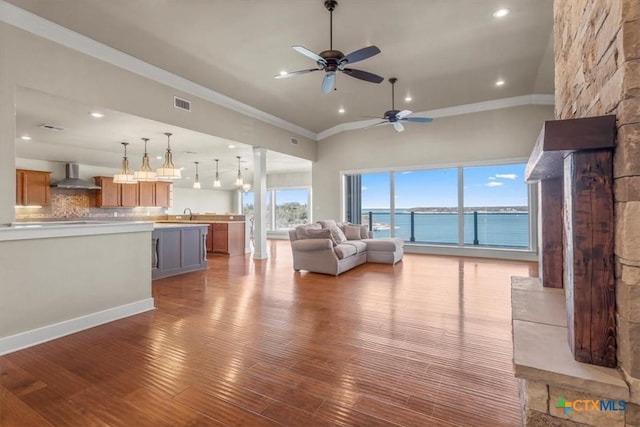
[
  {"x": 285, "y": 180},
  {"x": 488, "y": 136},
  {"x": 202, "y": 201},
  {"x": 57, "y": 169}
]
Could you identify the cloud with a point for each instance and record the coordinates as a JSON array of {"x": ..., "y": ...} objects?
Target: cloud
[
  {"x": 406, "y": 172},
  {"x": 506, "y": 175},
  {"x": 492, "y": 177},
  {"x": 494, "y": 184},
  {"x": 364, "y": 188}
]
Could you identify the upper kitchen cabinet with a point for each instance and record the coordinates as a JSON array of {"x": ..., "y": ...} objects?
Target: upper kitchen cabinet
[
  {"x": 112, "y": 195},
  {"x": 154, "y": 194},
  {"x": 32, "y": 188}
]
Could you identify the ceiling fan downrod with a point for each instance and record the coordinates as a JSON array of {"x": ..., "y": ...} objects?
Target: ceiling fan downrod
[
  {"x": 393, "y": 81},
  {"x": 330, "y": 5}
]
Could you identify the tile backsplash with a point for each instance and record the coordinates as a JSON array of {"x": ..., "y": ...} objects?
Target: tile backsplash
[{"x": 73, "y": 204}]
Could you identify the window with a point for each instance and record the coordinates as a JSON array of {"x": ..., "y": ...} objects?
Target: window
[
  {"x": 291, "y": 208},
  {"x": 429, "y": 199},
  {"x": 477, "y": 205},
  {"x": 496, "y": 199},
  {"x": 375, "y": 203}
]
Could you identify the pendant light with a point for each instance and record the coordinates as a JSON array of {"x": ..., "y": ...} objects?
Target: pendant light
[
  {"x": 145, "y": 173},
  {"x": 124, "y": 176},
  {"x": 196, "y": 182},
  {"x": 216, "y": 182},
  {"x": 239, "y": 181},
  {"x": 168, "y": 169}
]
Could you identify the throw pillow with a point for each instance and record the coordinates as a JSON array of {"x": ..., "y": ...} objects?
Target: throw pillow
[
  {"x": 352, "y": 232},
  {"x": 337, "y": 234},
  {"x": 301, "y": 230},
  {"x": 320, "y": 233},
  {"x": 327, "y": 223},
  {"x": 364, "y": 231}
]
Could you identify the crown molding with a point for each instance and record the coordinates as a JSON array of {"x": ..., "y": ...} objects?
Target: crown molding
[
  {"x": 496, "y": 104},
  {"x": 39, "y": 26}
]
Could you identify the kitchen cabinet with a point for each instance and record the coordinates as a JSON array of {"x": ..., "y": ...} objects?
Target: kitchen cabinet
[
  {"x": 154, "y": 194},
  {"x": 226, "y": 238},
  {"x": 32, "y": 188},
  {"x": 112, "y": 195},
  {"x": 177, "y": 249},
  {"x": 143, "y": 194}
]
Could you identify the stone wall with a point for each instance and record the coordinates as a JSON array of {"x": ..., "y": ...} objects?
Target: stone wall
[{"x": 597, "y": 72}]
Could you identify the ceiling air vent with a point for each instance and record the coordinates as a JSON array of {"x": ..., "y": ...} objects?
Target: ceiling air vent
[{"x": 181, "y": 104}]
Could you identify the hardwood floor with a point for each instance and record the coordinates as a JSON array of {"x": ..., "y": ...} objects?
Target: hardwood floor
[{"x": 426, "y": 342}]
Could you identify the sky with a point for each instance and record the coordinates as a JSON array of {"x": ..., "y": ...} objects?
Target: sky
[{"x": 501, "y": 185}]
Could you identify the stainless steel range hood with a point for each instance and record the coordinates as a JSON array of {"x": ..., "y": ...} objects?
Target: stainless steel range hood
[{"x": 72, "y": 179}]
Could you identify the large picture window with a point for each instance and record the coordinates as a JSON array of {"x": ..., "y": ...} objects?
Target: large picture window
[{"x": 484, "y": 206}]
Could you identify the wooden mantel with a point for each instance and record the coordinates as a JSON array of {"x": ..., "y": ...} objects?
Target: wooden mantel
[
  {"x": 574, "y": 160},
  {"x": 558, "y": 138}
]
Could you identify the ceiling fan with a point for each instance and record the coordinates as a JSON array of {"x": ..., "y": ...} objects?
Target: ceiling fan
[
  {"x": 395, "y": 117},
  {"x": 333, "y": 60}
]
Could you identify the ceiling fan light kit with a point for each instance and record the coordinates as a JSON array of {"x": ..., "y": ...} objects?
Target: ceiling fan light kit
[{"x": 332, "y": 60}]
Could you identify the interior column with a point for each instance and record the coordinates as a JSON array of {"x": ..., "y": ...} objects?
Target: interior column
[{"x": 260, "y": 202}]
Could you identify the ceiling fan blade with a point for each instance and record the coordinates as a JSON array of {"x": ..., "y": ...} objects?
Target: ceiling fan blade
[
  {"x": 363, "y": 75},
  {"x": 309, "y": 54},
  {"x": 327, "y": 82},
  {"x": 360, "y": 55},
  {"x": 295, "y": 73},
  {"x": 418, "y": 119},
  {"x": 402, "y": 114},
  {"x": 385, "y": 122},
  {"x": 398, "y": 126}
]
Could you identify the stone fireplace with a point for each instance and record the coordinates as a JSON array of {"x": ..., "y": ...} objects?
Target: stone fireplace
[{"x": 597, "y": 73}]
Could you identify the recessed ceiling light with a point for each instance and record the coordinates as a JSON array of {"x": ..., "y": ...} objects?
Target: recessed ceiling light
[
  {"x": 500, "y": 82},
  {"x": 231, "y": 146},
  {"x": 159, "y": 157},
  {"x": 97, "y": 115},
  {"x": 408, "y": 98},
  {"x": 501, "y": 13},
  {"x": 182, "y": 168},
  {"x": 341, "y": 110},
  {"x": 26, "y": 137}
]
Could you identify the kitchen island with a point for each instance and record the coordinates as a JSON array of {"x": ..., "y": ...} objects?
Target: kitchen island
[
  {"x": 178, "y": 248},
  {"x": 57, "y": 278}
]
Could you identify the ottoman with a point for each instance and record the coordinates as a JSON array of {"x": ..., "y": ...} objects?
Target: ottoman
[{"x": 386, "y": 250}]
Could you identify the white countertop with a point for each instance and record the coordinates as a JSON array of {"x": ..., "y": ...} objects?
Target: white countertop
[
  {"x": 178, "y": 225},
  {"x": 53, "y": 229}
]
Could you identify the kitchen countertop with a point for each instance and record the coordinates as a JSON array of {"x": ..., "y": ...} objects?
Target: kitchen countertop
[
  {"x": 53, "y": 229},
  {"x": 158, "y": 225},
  {"x": 194, "y": 221}
]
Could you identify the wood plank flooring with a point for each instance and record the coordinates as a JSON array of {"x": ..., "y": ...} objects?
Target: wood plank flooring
[{"x": 426, "y": 342}]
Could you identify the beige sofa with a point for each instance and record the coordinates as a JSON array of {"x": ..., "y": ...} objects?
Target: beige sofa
[{"x": 333, "y": 248}]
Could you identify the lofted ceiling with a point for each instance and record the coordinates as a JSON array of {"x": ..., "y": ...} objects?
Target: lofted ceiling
[{"x": 443, "y": 52}]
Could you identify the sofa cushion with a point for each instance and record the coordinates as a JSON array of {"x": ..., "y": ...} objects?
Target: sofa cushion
[
  {"x": 320, "y": 233},
  {"x": 352, "y": 232},
  {"x": 344, "y": 250},
  {"x": 386, "y": 244},
  {"x": 326, "y": 223},
  {"x": 301, "y": 230},
  {"x": 364, "y": 231},
  {"x": 337, "y": 234},
  {"x": 358, "y": 244}
]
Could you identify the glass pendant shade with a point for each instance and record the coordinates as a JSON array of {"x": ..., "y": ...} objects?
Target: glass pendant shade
[
  {"x": 145, "y": 173},
  {"x": 196, "y": 182},
  {"x": 124, "y": 176},
  {"x": 168, "y": 170},
  {"x": 239, "y": 181},
  {"x": 216, "y": 182}
]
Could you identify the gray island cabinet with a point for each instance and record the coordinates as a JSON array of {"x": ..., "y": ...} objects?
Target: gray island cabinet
[{"x": 178, "y": 249}]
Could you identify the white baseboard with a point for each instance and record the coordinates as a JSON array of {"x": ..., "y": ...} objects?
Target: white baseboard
[{"x": 50, "y": 332}]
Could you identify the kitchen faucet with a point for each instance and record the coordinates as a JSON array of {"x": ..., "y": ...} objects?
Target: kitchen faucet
[{"x": 185, "y": 212}]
